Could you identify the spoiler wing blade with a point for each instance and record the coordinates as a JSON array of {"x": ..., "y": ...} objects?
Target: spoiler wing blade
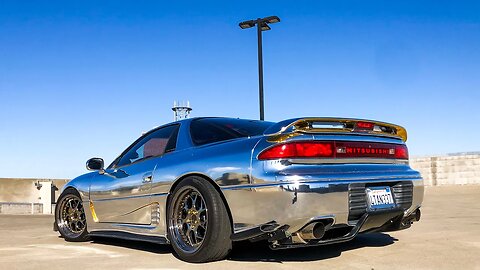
[{"x": 312, "y": 125}]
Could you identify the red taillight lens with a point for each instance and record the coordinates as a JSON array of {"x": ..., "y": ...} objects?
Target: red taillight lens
[
  {"x": 365, "y": 125},
  {"x": 401, "y": 152},
  {"x": 278, "y": 151},
  {"x": 335, "y": 150},
  {"x": 298, "y": 150}
]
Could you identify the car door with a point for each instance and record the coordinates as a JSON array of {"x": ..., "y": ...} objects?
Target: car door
[{"x": 123, "y": 193}]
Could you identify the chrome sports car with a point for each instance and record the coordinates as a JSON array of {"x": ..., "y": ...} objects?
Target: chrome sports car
[{"x": 202, "y": 183}]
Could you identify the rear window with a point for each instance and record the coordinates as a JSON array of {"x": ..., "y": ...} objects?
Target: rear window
[{"x": 209, "y": 130}]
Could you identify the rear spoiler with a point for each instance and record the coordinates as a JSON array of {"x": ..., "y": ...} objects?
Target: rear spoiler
[{"x": 326, "y": 125}]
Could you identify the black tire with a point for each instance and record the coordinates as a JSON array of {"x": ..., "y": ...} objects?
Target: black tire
[
  {"x": 70, "y": 217},
  {"x": 215, "y": 244}
]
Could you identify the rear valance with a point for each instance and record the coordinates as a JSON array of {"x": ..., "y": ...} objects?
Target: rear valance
[{"x": 327, "y": 125}]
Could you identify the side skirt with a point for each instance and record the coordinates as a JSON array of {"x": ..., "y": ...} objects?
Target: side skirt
[{"x": 130, "y": 236}]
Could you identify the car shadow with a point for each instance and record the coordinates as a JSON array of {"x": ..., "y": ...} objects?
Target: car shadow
[
  {"x": 132, "y": 244},
  {"x": 260, "y": 252}
]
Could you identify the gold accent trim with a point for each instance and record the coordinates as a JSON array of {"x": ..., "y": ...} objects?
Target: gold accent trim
[
  {"x": 304, "y": 126},
  {"x": 282, "y": 137},
  {"x": 92, "y": 210}
]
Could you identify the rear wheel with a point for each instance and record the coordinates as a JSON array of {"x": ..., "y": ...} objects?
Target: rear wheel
[
  {"x": 70, "y": 217},
  {"x": 198, "y": 223}
]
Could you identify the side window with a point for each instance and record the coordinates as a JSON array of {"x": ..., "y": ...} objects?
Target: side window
[{"x": 156, "y": 143}]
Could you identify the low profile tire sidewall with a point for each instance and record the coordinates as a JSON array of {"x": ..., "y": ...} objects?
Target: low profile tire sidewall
[
  {"x": 217, "y": 228},
  {"x": 69, "y": 236}
]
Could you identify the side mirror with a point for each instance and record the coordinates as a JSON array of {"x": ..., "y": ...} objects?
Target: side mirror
[{"x": 95, "y": 164}]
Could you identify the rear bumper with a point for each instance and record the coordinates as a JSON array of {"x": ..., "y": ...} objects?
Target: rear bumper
[
  {"x": 296, "y": 203},
  {"x": 292, "y": 204}
]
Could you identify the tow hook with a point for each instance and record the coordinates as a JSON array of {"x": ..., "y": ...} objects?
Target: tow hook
[{"x": 279, "y": 234}]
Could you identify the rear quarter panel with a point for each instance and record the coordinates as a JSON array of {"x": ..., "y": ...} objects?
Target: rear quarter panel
[{"x": 227, "y": 164}]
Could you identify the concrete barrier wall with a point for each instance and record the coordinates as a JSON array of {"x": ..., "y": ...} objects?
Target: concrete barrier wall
[
  {"x": 14, "y": 208},
  {"x": 18, "y": 194},
  {"x": 459, "y": 169}
]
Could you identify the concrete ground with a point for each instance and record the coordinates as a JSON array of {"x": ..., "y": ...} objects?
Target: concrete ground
[{"x": 447, "y": 237}]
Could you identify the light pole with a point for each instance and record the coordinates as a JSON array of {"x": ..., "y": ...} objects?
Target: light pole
[{"x": 262, "y": 25}]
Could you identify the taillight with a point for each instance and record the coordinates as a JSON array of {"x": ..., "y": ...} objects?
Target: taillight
[
  {"x": 401, "y": 152},
  {"x": 364, "y": 126},
  {"x": 335, "y": 149},
  {"x": 298, "y": 150}
]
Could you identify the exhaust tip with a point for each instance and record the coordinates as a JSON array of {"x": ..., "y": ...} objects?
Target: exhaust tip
[
  {"x": 318, "y": 230},
  {"x": 313, "y": 231}
]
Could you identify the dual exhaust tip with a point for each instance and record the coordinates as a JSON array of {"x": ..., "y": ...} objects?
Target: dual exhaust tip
[{"x": 316, "y": 230}]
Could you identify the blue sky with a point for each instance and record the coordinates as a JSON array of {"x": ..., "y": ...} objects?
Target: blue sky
[{"x": 85, "y": 78}]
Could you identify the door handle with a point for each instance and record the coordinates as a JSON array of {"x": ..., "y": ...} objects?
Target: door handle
[{"x": 147, "y": 178}]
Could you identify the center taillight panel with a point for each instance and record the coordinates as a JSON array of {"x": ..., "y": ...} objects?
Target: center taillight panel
[{"x": 334, "y": 149}]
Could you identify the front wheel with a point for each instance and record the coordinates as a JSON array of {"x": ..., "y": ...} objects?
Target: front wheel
[
  {"x": 70, "y": 217},
  {"x": 198, "y": 223}
]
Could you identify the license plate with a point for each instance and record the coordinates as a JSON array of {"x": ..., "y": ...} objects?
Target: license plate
[{"x": 379, "y": 198}]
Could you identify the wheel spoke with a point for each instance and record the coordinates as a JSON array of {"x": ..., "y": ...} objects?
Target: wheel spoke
[
  {"x": 200, "y": 238},
  {"x": 184, "y": 221},
  {"x": 189, "y": 199},
  {"x": 82, "y": 221},
  {"x": 75, "y": 225},
  {"x": 202, "y": 206},
  {"x": 70, "y": 224},
  {"x": 194, "y": 200},
  {"x": 77, "y": 204},
  {"x": 189, "y": 235}
]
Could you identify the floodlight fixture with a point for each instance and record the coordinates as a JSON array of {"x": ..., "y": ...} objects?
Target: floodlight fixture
[{"x": 262, "y": 25}]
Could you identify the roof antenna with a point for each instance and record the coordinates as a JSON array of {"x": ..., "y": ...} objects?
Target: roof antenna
[{"x": 181, "y": 110}]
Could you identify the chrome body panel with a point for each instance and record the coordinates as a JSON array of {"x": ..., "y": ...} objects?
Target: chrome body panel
[
  {"x": 121, "y": 195},
  {"x": 292, "y": 192}
]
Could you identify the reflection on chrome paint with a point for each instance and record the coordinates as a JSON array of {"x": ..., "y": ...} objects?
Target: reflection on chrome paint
[{"x": 222, "y": 169}]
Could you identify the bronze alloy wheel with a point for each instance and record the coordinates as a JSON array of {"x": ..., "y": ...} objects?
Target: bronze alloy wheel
[
  {"x": 189, "y": 222},
  {"x": 70, "y": 217},
  {"x": 199, "y": 226}
]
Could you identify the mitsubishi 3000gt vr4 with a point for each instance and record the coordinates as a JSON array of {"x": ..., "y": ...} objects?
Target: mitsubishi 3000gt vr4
[{"x": 201, "y": 184}]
